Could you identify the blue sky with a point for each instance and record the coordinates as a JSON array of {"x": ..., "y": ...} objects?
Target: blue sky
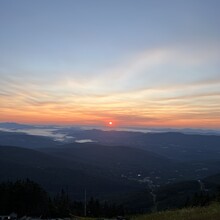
[{"x": 137, "y": 63}]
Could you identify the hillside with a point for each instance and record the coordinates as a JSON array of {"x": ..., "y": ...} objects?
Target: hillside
[
  {"x": 122, "y": 173},
  {"x": 133, "y": 163},
  {"x": 174, "y": 145},
  {"x": 20, "y": 139},
  {"x": 211, "y": 212},
  {"x": 55, "y": 173},
  {"x": 126, "y": 162}
]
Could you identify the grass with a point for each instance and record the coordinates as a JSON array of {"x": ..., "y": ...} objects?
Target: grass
[
  {"x": 211, "y": 212},
  {"x": 83, "y": 218}
]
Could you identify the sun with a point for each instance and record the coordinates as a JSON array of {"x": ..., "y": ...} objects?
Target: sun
[{"x": 110, "y": 123}]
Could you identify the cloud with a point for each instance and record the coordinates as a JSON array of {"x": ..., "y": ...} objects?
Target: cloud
[{"x": 155, "y": 87}]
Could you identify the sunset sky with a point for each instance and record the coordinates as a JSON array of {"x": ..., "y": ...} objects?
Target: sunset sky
[{"x": 153, "y": 63}]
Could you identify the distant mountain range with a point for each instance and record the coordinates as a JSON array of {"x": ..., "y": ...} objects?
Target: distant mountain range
[
  {"x": 174, "y": 145},
  {"x": 25, "y": 140},
  {"x": 115, "y": 165},
  {"x": 16, "y": 126}
]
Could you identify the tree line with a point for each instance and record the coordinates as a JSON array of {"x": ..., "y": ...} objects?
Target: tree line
[{"x": 26, "y": 197}]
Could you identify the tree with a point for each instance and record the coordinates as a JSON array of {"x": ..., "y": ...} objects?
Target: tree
[{"x": 23, "y": 197}]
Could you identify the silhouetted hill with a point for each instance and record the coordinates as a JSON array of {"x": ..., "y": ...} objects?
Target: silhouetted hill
[
  {"x": 141, "y": 157},
  {"x": 173, "y": 145},
  {"x": 24, "y": 140},
  {"x": 111, "y": 156},
  {"x": 124, "y": 162},
  {"x": 15, "y": 126},
  {"x": 133, "y": 163},
  {"x": 54, "y": 174},
  {"x": 118, "y": 164}
]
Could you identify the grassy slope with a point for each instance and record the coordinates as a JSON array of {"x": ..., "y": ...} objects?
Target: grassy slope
[{"x": 211, "y": 212}]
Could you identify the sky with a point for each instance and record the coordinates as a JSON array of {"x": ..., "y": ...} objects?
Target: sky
[{"x": 140, "y": 63}]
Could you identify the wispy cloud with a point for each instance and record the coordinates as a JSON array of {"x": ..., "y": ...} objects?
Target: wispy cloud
[{"x": 166, "y": 86}]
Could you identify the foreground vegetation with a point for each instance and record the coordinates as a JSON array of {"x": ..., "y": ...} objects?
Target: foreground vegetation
[
  {"x": 26, "y": 197},
  {"x": 211, "y": 212}
]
